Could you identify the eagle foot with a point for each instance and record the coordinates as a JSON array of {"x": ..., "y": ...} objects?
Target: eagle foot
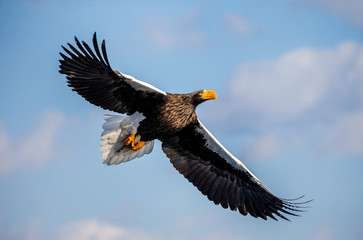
[
  {"x": 138, "y": 145},
  {"x": 130, "y": 140}
]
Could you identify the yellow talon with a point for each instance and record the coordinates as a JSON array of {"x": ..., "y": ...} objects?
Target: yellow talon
[
  {"x": 130, "y": 140},
  {"x": 138, "y": 145}
]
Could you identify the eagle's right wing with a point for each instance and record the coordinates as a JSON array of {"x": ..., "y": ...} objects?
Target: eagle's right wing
[{"x": 92, "y": 77}]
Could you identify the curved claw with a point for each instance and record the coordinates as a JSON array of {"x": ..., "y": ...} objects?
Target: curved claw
[
  {"x": 130, "y": 140},
  {"x": 138, "y": 145}
]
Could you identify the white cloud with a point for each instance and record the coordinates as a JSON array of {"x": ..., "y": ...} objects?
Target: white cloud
[
  {"x": 349, "y": 9},
  {"x": 34, "y": 230},
  {"x": 306, "y": 96},
  {"x": 93, "y": 229},
  {"x": 169, "y": 33},
  {"x": 324, "y": 232},
  {"x": 34, "y": 148},
  {"x": 237, "y": 24},
  {"x": 345, "y": 131},
  {"x": 273, "y": 143},
  {"x": 300, "y": 80}
]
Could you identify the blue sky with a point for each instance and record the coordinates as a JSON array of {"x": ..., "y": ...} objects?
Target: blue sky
[{"x": 289, "y": 79}]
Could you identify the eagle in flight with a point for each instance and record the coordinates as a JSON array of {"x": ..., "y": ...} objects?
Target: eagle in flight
[{"x": 171, "y": 118}]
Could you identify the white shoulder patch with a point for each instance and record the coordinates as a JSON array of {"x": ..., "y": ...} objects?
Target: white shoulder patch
[
  {"x": 139, "y": 85},
  {"x": 217, "y": 147}
]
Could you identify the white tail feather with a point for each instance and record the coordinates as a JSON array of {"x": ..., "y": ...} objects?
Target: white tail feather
[{"x": 116, "y": 130}]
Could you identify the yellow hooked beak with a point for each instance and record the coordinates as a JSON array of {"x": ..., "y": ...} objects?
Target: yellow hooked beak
[{"x": 209, "y": 94}]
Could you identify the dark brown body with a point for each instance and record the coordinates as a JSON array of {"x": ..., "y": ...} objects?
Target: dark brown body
[{"x": 170, "y": 116}]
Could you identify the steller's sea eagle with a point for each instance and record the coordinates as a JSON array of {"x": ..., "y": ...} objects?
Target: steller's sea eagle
[{"x": 170, "y": 118}]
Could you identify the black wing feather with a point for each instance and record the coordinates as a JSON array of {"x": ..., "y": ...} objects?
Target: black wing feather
[
  {"x": 222, "y": 183},
  {"x": 104, "y": 52},
  {"x": 91, "y": 76}
]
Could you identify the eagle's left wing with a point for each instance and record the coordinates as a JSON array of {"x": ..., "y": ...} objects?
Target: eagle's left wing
[{"x": 197, "y": 155}]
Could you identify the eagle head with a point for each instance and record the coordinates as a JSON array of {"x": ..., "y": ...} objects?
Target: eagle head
[{"x": 203, "y": 95}]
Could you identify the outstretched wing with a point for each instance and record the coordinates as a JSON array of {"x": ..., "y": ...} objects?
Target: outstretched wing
[
  {"x": 92, "y": 77},
  {"x": 197, "y": 155}
]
